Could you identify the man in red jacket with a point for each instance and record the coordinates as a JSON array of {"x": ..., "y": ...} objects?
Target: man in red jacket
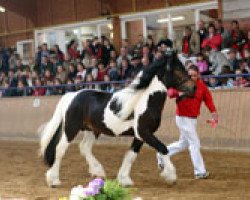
[{"x": 188, "y": 109}]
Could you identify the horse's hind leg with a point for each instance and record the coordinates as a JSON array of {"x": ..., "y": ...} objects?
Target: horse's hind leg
[
  {"x": 124, "y": 172},
  {"x": 95, "y": 167},
  {"x": 52, "y": 174},
  {"x": 169, "y": 172}
]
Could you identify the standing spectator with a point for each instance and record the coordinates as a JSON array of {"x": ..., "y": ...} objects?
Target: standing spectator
[
  {"x": 44, "y": 50},
  {"x": 136, "y": 65},
  {"x": 147, "y": 54},
  {"x": 237, "y": 36},
  {"x": 113, "y": 56},
  {"x": 87, "y": 49},
  {"x": 246, "y": 46},
  {"x": 202, "y": 31},
  {"x": 4, "y": 60},
  {"x": 213, "y": 39},
  {"x": 19, "y": 65},
  {"x": 46, "y": 64},
  {"x": 145, "y": 62},
  {"x": 72, "y": 50},
  {"x": 107, "y": 48},
  {"x": 97, "y": 48},
  {"x": 58, "y": 53},
  {"x": 187, "y": 111},
  {"x": 190, "y": 42},
  {"x": 140, "y": 42},
  {"x": 150, "y": 43},
  {"x": 225, "y": 34}
]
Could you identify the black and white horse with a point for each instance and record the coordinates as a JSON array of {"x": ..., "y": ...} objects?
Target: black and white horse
[{"x": 133, "y": 111}]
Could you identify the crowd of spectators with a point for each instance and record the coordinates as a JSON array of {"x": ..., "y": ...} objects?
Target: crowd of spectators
[{"x": 214, "y": 49}]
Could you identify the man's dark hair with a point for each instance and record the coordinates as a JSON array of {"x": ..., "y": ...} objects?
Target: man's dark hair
[{"x": 235, "y": 22}]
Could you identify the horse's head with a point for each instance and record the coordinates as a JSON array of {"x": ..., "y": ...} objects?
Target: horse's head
[{"x": 176, "y": 75}]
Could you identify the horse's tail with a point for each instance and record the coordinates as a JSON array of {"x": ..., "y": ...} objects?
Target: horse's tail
[{"x": 51, "y": 134}]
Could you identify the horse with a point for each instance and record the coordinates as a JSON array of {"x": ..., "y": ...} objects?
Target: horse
[{"x": 133, "y": 111}]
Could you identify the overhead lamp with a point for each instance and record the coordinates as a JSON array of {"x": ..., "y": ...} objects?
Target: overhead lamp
[
  {"x": 110, "y": 26},
  {"x": 2, "y": 9},
  {"x": 174, "y": 19}
]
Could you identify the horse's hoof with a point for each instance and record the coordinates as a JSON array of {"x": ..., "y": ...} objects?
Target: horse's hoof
[
  {"x": 125, "y": 181},
  {"x": 169, "y": 178}
]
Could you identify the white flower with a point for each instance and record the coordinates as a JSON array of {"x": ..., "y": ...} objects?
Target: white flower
[{"x": 77, "y": 193}]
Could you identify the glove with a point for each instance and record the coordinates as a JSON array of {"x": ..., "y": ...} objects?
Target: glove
[
  {"x": 172, "y": 93},
  {"x": 214, "y": 121}
]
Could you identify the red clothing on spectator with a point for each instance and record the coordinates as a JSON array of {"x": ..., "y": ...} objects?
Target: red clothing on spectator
[
  {"x": 100, "y": 75},
  {"x": 213, "y": 42},
  {"x": 235, "y": 36},
  {"x": 185, "y": 46},
  {"x": 190, "y": 107},
  {"x": 39, "y": 92},
  {"x": 74, "y": 54}
]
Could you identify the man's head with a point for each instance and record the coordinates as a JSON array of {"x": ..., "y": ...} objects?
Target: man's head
[{"x": 235, "y": 25}]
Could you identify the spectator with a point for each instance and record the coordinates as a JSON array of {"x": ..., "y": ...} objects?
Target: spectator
[
  {"x": 226, "y": 82},
  {"x": 213, "y": 39},
  {"x": 113, "y": 71},
  {"x": 240, "y": 81},
  {"x": 93, "y": 68},
  {"x": 48, "y": 76},
  {"x": 202, "y": 31},
  {"x": 50, "y": 89},
  {"x": 46, "y": 64},
  {"x": 246, "y": 46},
  {"x": 145, "y": 62},
  {"x": 5, "y": 91},
  {"x": 21, "y": 90},
  {"x": 225, "y": 34},
  {"x": 190, "y": 42},
  {"x": 89, "y": 82},
  {"x": 87, "y": 50},
  {"x": 59, "y": 55},
  {"x": 140, "y": 42},
  {"x": 136, "y": 65},
  {"x": 102, "y": 71},
  {"x": 70, "y": 87},
  {"x": 125, "y": 69},
  {"x": 202, "y": 64},
  {"x": 81, "y": 71},
  {"x": 61, "y": 74},
  {"x": 72, "y": 50},
  {"x": 150, "y": 43},
  {"x": 233, "y": 61},
  {"x": 72, "y": 72},
  {"x": 58, "y": 89},
  {"x": 38, "y": 91},
  {"x": 147, "y": 54},
  {"x": 123, "y": 55},
  {"x": 216, "y": 59},
  {"x": 97, "y": 48},
  {"x": 213, "y": 83},
  {"x": 237, "y": 36},
  {"x": 113, "y": 56},
  {"x": 107, "y": 48}
]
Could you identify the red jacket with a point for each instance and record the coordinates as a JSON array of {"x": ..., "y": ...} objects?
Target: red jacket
[
  {"x": 213, "y": 42},
  {"x": 190, "y": 107}
]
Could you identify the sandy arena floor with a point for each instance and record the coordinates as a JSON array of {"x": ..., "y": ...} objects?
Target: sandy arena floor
[{"x": 22, "y": 173}]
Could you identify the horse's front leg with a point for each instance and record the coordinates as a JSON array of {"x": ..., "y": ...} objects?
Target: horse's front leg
[
  {"x": 169, "y": 172},
  {"x": 124, "y": 172}
]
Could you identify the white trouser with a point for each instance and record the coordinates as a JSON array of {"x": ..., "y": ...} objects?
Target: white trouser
[{"x": 188, "y": 139}]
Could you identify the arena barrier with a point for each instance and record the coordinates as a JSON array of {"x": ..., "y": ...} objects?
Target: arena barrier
[{"x": 21, "y": 117}]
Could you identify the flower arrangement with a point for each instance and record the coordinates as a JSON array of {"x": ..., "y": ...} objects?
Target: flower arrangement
[{"x": 98, "y": 189}]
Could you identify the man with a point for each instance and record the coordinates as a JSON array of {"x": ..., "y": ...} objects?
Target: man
[
  {"x": 224, "y": 34},
  {"x": 202, "y": 31},
  {"x": 237, "y": 37},
  {"x": 188, "y": 109}
]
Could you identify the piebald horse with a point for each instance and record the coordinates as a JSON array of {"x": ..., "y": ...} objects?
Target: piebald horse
[{"x": 133, "y": 111}]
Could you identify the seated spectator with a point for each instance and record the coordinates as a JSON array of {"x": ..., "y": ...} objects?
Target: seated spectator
[
  {"x": 243, "y": 66},
  {"x": 232, "y": 59},
  {"x": 237, "y": 37},
  {"x": 213, "y": 39},
  {"x": 46, "y": 64},
  {"x": 92, "y": 68},
  {"x": 61, "y": 74},
  {"x": 125, "y": 70},
  {"x": 246, "y": 46},
  {"x": 81, "y": 71},
  {"x": 50, "y": 90},
  {"x": 226, "y": 82},
  {"x": 72, "y": 72},
  {"x": 19, "y": 65},
  {"x": 70, "y": 87},
  {"x": 5, "y": 91},
  {"x": 106, "y": 86},
  {"x": 21, "y": 88},
  {"x": 240, "y": 81},
  {"x": 216, "y": 59},
  {"x": 213, "y": 83},
  {"x": 102, "y": 71},
  {"x": 113, "y": 71},
  {"x": 136, "y": 64},
  {"x": 48, "y": 76},
  {"x": 246, "y": 56},
  {"x": 58, "y": 89},
  {"x": 89, "y": 82},
  {"x": 202, "y": 64},
  {"x": 123, "y": 55},
  {"x": 113, "y": 56},
  {"x": 87, "y": 49},
  {"x": 145, "y": 62},
  {"x": 38, "y": 90}
]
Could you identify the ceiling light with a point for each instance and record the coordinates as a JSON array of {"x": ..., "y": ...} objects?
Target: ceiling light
[
  {"x": 174, "y": 19},
  {"x": 2, "y": 9},
  {"x": 110, "y": 26}
]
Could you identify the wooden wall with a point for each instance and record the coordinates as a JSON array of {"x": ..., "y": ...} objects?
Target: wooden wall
[
  {"x": 20, "y": 118},
  {"x": 18, "y": 23}
]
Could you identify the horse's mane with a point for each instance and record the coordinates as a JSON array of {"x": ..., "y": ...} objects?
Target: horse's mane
[{"x": 147, "y": 74}]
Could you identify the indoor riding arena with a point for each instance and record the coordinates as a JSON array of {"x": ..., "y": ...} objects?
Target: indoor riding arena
[{"x": 52, "y": 47}]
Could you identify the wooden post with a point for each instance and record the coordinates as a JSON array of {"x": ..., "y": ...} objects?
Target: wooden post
[
  {"x": 220, "y": 9},
  {"x": 117, "y": 39}
]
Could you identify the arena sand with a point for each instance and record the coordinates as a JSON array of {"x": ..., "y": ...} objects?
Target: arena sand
[{"x": 22, "y": 173}]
